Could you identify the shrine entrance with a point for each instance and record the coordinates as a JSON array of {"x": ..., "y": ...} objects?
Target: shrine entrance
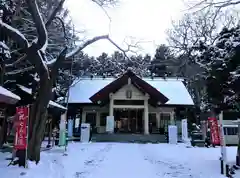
[{"x": 128, "y": 120}]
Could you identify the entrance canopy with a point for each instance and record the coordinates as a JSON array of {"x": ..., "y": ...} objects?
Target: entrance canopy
[{"x": 155, "y": 95}]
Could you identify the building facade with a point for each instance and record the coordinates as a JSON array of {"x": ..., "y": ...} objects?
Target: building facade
[{"x": 139, "y": 105}]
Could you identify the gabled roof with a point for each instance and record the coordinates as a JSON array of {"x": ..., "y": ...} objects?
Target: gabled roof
[
  {"x": 141, "y": 85},
  {"x": 172, "y": 88}
]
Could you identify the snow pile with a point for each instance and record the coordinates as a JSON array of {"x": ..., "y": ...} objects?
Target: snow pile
[{"x": 108, "y": 160}]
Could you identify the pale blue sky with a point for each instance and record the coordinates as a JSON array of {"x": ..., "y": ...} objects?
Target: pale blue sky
[{"x": 145, "y": 20}]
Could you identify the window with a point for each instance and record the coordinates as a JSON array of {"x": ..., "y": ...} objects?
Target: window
[
  {"x": 164, "y": 121},
  {"x": 91, "y": 119},
  {"x": 103, "y": 119},
  {"x": 153, "y": 119},
  {"x": 230, "y": 130}
]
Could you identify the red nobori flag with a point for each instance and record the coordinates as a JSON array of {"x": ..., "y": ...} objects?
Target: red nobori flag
[
  {"x": 214, "y": 130},
  {"x": 21, "y": 128}
]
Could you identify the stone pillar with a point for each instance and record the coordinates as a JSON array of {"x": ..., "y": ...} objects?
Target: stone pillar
[
  {"x": 111, "y": 104},
  {"x": 146, "y": 119}
]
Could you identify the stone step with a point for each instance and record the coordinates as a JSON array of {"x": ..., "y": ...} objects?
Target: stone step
[{"x": 129, "y": 138}]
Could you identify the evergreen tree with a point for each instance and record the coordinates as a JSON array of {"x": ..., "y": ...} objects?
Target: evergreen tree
[{"x": 221, "y": 68}]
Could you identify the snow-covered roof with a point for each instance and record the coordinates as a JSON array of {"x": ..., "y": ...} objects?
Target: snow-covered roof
[
  {"x": 9, "y": 94},
  {"x": 172, "y": 88},
  {"x": 51, "y": 103},
  {"x": 54, "y": 104}
]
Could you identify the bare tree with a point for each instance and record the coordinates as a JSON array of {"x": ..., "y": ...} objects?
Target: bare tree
[
  {"x": 219, "y": 4},
  {"x": 35, "y": 53},
  {"x": 185, "y": 34}
]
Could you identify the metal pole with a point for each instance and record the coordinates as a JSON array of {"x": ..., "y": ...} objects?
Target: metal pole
[
  {"x": 223, "y": 144},
  {"x": 69, "y": 85},
  {"x": 26, "y": 155}
]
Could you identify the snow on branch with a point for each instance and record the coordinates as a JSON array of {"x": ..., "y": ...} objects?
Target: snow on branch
[
  {"x": 40, "y": 26},
  {"x": 20, "y": 71},
  {"x": 97, "y": 38},
  {"x": 89, "y": 42},
  {"x": 85, "y": 44},
  {"x": 14, "y": 34}
]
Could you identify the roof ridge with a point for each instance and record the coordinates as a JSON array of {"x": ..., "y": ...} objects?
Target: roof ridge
[{"x": 154, "y": 78}]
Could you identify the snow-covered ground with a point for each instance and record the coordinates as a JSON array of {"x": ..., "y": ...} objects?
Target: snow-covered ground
[{"x": 118, "y": 160}]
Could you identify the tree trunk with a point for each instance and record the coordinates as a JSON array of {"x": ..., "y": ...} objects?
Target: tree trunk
[
  {"x": 38, "y": 119},
  {"x": 3, "y": 132},
  {"x": 38, "y": 116},
  {"x": 49, "y": 132}
]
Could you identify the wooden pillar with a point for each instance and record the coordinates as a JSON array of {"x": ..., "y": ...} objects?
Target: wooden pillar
[
  {"x": 146, "y": 119},
  {"x": 111, "y": 104},
  {"x": 172, "y": 120},
  {"x": 158, "y": 119}
]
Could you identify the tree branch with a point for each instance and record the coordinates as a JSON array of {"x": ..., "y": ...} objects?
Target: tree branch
[
  {"x": 88, "y": 42},
  {"x": 41, "y": 29},
  {"x": 63, "y": 27},
  {"x": 203, "y": 4},
  {"x": 17, "y": 61},
  {"x": 14, "y": 34},
  {"x": 58, "y": 62},
  {"x": 19, "y": 71},
  {"x": 85, "y": 44},
  {"x": 54, "y": 13}
]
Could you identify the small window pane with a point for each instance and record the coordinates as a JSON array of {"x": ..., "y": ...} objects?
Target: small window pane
[
  {"x": 232, "y": 130},
  {"x": 153, "y": 119},
  {"x": 225, "y": 130}
]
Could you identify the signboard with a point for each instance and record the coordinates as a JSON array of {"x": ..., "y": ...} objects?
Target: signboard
[
  {"x": 172, "y": 134},
  {"x": 85, "y": 132},
  {"x": 110, "y": 124},
  {"x": 20, "y": 142},
  {"x": 184, "y": 130},
  {"x": 214, "y": 130},
  {"x": 70, "y": 128}
]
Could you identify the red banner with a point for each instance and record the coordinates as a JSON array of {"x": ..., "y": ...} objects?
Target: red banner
[
  {"x": 214, "y": 130},
  {"x": 21, "y": 128}
]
